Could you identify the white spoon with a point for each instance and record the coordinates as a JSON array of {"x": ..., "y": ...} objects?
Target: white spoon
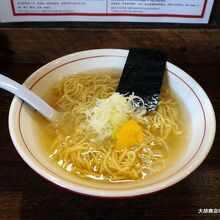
[{"x": 29, "y": 97}]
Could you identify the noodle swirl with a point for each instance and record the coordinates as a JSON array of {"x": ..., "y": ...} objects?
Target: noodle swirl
[{"x": 79, "y": 153}]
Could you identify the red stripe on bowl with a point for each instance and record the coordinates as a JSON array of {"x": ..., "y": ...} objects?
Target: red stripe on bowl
[{"x": 101, "y": 56}]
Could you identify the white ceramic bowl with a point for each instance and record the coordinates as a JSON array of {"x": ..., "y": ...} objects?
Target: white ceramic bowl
[{"x": 197, "y": 103}]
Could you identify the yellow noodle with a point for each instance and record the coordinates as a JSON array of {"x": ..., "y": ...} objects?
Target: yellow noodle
[{"x": 75, "y": 94}]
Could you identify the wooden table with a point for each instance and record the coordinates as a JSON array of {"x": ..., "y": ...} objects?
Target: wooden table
[{"x": 25, "y": 195}]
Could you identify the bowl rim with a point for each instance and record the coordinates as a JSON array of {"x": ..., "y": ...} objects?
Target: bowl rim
[{"x": 170, "y": 180}]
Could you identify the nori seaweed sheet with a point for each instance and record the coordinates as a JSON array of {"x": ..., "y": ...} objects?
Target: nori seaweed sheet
[{"x": 143, "y": 74}]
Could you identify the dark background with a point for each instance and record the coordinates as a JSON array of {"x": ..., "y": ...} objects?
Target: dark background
[{"x": 24, "y": 47}]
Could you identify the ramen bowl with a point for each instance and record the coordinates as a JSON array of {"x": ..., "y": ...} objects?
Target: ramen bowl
[{"x": 197, "y": 104}]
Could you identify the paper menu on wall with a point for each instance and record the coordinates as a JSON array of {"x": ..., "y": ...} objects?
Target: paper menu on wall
[{"x": 174, "y": 11}]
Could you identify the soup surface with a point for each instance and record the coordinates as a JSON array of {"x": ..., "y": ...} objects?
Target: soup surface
[{"x": 100, "y": 137}]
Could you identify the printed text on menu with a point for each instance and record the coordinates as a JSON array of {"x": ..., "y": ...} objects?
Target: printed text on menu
[{"x": 111, "y": 7}]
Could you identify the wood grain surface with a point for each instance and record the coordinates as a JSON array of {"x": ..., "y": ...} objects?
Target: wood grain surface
[
  {"x": 25, "y": 195},
  {"x": 44, "y": 45}
]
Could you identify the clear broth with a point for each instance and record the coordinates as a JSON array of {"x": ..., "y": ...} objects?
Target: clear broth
[{"x": 176, "y": 144}]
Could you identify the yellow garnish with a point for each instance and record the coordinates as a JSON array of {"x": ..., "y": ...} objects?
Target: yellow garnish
[
  {"x": 108, "y": 115},
  {"x": 129, "y": 135}
]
